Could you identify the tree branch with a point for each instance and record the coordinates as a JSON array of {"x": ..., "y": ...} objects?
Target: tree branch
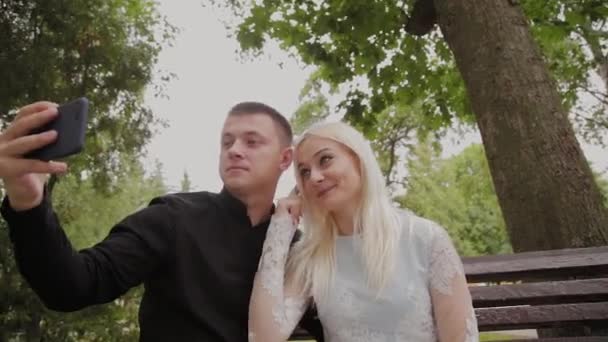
[
  {"x": 392, "y": 158},
  {"x": 592, "y": 121},
  {"x": 601, "y": 97}
]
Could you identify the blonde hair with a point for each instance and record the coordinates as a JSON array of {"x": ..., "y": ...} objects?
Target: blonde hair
[{"x": 311, "y": 263}]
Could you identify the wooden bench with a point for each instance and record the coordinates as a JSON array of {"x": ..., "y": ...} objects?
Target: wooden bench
[
  {"x": 533, "y": 290},
  {"x": 547, "y": 289}
]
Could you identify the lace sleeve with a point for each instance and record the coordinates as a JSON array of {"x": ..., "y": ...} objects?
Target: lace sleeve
[
  {"x": 452, "y": 305},
  {"x": 275, "y": 306}
]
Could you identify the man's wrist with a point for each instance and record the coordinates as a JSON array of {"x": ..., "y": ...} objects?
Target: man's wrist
[{"x": 24, "y": 204}]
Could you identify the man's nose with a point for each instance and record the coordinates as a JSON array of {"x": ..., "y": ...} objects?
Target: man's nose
[{"x": 236, "y": 150}]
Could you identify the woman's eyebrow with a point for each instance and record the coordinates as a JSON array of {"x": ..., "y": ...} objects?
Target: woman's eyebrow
[{"x": 314, "y": 155}]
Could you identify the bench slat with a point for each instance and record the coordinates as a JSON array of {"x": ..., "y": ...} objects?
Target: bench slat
[
  {"x": 555, "y": 292},
  {"x": 525, "y": 317},
  {"x": 538, "y": 265}
]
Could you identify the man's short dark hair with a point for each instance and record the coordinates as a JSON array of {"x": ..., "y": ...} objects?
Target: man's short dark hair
[{"x": 247, "y": 108}]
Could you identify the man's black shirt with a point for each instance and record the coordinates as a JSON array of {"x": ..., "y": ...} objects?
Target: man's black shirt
[{"x": 195, "y": 253}]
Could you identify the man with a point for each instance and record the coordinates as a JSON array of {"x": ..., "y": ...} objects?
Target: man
[{"x": 196, "y": 253}]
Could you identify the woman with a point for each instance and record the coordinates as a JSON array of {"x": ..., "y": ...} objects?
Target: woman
[{"x": 374, "y": 272}]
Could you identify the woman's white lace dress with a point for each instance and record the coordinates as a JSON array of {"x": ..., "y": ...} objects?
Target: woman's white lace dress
[{"x": 426, "y": 300}]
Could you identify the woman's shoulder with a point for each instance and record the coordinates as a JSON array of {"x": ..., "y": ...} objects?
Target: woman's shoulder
[{"x": 417, "y": 229}]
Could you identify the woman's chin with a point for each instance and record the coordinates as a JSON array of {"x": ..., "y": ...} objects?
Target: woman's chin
[{"x": 330, "y": 205}]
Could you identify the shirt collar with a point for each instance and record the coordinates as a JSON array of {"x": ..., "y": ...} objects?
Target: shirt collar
[
  {"x": 236, "y": 206},
  {"x": 232, "y": 203}
]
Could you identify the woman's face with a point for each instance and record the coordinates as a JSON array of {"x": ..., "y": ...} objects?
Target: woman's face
[{"x": 329, "y": 173}]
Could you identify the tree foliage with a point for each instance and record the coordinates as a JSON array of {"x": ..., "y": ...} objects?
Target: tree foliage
[
  {"x": 104, "y": 50},
  {"x": 362, "y": 47},
  {"x": 457, "y": 192},
  {"x": 186, "y": 183}
]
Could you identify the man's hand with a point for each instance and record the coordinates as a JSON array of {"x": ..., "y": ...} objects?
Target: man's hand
[{"x": 24, "y": 179}]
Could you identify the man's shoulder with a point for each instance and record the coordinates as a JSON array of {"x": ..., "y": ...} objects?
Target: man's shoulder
[
  {"x": 187, "y": 200},
  {"x": 171, "y": 208}
]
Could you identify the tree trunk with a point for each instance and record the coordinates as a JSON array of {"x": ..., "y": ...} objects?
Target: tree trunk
[{"x": 544, "y": 184}]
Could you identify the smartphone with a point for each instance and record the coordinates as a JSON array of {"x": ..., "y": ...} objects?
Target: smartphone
[{"x": 70, "y": 124}]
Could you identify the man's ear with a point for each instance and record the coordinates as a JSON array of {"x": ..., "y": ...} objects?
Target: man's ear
[{"x": 286, "y": 158}]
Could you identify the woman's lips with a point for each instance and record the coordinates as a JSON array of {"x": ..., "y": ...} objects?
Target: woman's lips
[{"x": 325, "y": 191}]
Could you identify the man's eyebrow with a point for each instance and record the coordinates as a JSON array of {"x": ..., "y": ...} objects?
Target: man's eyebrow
[
  {"x": 247, "y": 133},
  {"x": 254, "y": 133}
]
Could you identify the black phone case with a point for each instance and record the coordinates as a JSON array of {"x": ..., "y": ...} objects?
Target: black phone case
[{"x": 70, "y": 124}]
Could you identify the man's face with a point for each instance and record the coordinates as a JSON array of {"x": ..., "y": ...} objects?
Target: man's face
[{"x": 253, "y": 154}]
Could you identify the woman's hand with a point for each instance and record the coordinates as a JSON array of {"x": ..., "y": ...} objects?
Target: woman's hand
[{"x": 290, "y": 205}]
